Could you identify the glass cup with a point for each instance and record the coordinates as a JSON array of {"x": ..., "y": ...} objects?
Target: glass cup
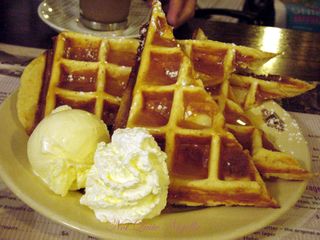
[{"x": 104, "y": 15}]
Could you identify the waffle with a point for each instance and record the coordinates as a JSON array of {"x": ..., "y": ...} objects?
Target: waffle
[
  {"x": 91, "y": 73},
  {"x": 207, "y": 165},
  {"x": 236, "y": 89},
  {"x": 253, "y": 89},
  {"x": 268, "y": 159},
  {"x": 101, "y": 68},
  {"x": 215, "y": 62},
  {"x": 81, "y": 71}
]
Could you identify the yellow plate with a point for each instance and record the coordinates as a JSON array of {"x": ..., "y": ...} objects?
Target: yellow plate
[{"x": 206, "y": 223}]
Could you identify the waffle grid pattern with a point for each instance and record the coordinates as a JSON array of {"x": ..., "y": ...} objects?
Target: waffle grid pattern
[
  {"x": 237, "y": 91},
  {"x": 207, "y": 165},
  {"x": 216, "y": 62},
  {"x": 254, "y": 89},
  {"x": 267, "y": 158},
  {"x": 90, "y": 73}
]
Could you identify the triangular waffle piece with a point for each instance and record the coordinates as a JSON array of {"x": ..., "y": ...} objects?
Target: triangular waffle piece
[
  {"x": 268, "y": 159},
  {"x": 273, "y": 163},
  {"x": 207, "y": 165},
  {"x": 214, "y": 61},
  {"x": 253, "y": 89},
  {"x": 81, "y": 71},
  {"x": 233, "y": 94}
]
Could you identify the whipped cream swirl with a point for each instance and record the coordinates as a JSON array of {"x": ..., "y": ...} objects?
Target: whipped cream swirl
[{"x": 129, "y": 179}]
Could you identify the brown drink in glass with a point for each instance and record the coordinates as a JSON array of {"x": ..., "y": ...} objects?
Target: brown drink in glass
[{"x": 104, "y": 15}]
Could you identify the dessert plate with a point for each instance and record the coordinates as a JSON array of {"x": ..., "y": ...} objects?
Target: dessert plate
[
  {"x": 174, "y": 223},
  {"x": 64, "y": 16}
]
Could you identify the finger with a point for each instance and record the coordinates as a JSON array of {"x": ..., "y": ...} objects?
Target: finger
[
  {"x": 186, "y": 12},
  {"x": 175, "y": 7}
]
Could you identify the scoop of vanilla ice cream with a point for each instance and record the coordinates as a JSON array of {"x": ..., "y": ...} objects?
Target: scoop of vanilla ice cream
[
  {"x": 62, "y": 146},
  {"x": 129, "y": 179}
]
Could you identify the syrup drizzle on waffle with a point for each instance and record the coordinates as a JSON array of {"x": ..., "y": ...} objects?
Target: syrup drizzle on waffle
[
  {"x": 206, "y": 163},
  {"x": 89, "y": 73}
]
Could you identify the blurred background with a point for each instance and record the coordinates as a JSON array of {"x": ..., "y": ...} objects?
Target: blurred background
[{"x": 293, "y": 14}]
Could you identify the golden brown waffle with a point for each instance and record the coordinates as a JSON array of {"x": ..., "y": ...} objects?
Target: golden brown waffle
[
  {"x": 91, "y": 73},
  {"x": 207, "y": 165},
  {"x": 236, "y": 89},
  {"x": 269, "y": 161},
  {"x": 252, "y": 89},
  {"x": 73, "y": 73},
  {"x": 81, "y": 71},
  {"x": 215, "y": 62}
]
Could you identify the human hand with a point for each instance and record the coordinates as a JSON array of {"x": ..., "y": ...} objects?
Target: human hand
[{"x": 179, "y": 11}]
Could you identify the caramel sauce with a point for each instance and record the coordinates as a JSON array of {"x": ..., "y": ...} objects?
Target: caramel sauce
[
  {"x": 273, "y": 78},
  {"x": 87, "y": 105},
  {"x": 109, "y": 113},
  {"x": 198, "y": 113},
  {"x": 210, "y": 62},
  {"x": 165, "y": 42},
  {"x": 115, "y": 85},
  {"x": 281, "y": 79},
  {"x": 245, "y": 139},
  {"x": 121, "y": 119},
  {"x": 163, "y": 69},
  {"x": 234, "y": 163},
  {"x": 84, "y": 80},
  {"x": 214, "y": 90},
  {"x": 191, "y": 157},
  {"x": 268, "y": 77},
  {"x": 160, "y": 36},
  {"x": 40, "y": 113},
  {"x": 121, "y": 58},
  {"x": 156, "y": 109},
  {"x": 241, "y": 59},
  {"x": 87, "y": 51},
  {"x": 235, "y": 118},
  {"x": 262, "y": 95},
  {"x": 194, "y": 114},
  {"x": 161, "y": 140}
]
